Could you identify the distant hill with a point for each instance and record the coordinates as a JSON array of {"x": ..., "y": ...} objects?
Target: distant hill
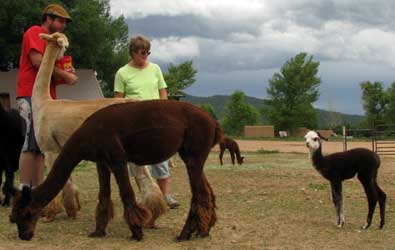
[{"x": 219, "y": 102}]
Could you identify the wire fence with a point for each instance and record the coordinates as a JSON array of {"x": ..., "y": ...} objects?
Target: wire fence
[{"x": 381, "y": 136}]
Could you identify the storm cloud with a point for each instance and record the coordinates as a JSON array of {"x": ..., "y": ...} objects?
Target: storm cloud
[{"x": 244, "y": 39}]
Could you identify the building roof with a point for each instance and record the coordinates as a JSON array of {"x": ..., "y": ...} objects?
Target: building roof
[{"x": 87, "y": 86}]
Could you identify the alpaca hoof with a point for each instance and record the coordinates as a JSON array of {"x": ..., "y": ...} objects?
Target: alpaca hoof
[
  {"x": 97, "y": 234},
  {"x": 181, "y": 238},
  {"x": 5, "y": 203},
  {"x": 366, "y": 226},
  {"x": 150, "y": 224},
  {"x": 48, "y": 219},
  {"x": 381, "y": 227},
  {"x": 136, "y": 238},
  {"x": 72, "y": 215},
  {"x": 340, "y": 225},
  {"x": 137, "y": 233},
  {"x": 203, "y": 234}
]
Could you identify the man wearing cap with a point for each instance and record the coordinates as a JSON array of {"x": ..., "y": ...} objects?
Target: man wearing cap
[{"x": 54, "y": 19}]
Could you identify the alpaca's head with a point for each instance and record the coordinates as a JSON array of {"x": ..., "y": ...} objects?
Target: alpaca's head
[
  {"x": 313, "y": 140},
  {"x": 23, "y": 214},
  {"x": 59, "y": 38},
  {"x": 241, "y": 160}
]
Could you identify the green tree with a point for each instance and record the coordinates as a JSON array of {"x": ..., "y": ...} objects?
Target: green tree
[
  {"x": 389, "y": 112},
  {"x": 209, "y": 109},
  {"x": 238, "y": 114},
  {"x": 374, "y": 99},
  {"x": 97, "y": 40},
  {"x": 179, "y": 77},
  {"x": 16, "y": 16},
  {"x": 291, "y": 93}
]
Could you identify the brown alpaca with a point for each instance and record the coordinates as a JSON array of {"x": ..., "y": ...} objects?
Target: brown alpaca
[
  {"x": 144, "y": 132},
  {"x": 56, "y": 120},
  {"x": 231, "y": 145}
]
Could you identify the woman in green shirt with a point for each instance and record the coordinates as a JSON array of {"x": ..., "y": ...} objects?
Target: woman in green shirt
[{"x": 143, "y": 80}]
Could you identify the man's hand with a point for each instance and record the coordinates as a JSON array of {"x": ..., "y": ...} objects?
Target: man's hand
[{"x": 70, "y": 78}]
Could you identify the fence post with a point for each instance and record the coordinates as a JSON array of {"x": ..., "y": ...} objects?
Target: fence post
[{"x": 344, "y": 138}]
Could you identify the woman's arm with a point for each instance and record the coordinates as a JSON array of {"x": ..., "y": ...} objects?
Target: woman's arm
[{"x": 163, "y": 94}]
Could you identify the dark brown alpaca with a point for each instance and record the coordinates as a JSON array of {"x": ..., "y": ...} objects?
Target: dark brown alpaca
[
  {"x": 341, "y": 166},
  {"x": 231, "y": 145},
  {"x": 145, "y": 133},
  {"x": 12, "y": 136}
]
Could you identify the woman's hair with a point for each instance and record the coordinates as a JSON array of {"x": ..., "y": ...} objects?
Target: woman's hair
[{"x": 137, "y": 43}]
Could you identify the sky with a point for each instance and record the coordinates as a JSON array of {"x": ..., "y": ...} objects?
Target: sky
[{"x": 239, "y": 45}]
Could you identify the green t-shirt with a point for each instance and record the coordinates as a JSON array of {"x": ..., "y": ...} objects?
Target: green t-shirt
[{"x": 140, "y": 84}]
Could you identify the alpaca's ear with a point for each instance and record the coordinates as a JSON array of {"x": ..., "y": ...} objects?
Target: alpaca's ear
[{"x": 323, "y": 138}]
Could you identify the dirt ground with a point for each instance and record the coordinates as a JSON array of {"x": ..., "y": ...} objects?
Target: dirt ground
[{"x": 274, "y": 201}]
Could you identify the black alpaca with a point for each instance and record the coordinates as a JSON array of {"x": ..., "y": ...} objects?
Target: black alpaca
[
  {"x": 345, "y": 165},
  {"x": 231, "y": 145},
  {"x": 12, "y": 135}
]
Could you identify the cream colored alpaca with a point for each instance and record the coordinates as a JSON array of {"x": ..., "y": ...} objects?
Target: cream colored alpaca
[{"x": 55, "y": 120}]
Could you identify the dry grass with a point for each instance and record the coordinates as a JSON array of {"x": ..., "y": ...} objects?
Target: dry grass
[{"x": 273, "y": 201}]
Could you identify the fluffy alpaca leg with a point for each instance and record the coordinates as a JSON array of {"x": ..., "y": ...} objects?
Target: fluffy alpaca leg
[
  {"x": 202, "y": 214},
  {"x": 71, "y": 201},
  {"x": 221, "y": 154},
  {"x": 104, "y": 209},
  {"x": 232, "y": 156},
  {"x": 8, "y": 185},
  {"x": 337, "y": 197},
  {"x": 382, "y": 199},
  {"x": 371, "y": 194},
  {"x": 152, "y": 197},
  {"x": 53, "y": 208},
  {"x": 136, "y": 216}
]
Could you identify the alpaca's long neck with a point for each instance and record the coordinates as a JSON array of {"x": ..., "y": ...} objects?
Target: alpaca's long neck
[
  {"x": 57, "y": 177},
  {"x": 238, "y": 156},
  {"x": 320, "y": 163},
  {"x": 317, "y": 158},
  {"x": 43, "y": 79}
]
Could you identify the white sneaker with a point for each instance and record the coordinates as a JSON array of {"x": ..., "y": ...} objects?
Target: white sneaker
[{"x": 171, "y": 202}]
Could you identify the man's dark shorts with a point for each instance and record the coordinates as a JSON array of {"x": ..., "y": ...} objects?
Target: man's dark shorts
[{"x": 25, "y": 110}]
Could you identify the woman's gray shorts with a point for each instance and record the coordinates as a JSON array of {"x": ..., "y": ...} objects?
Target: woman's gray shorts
[{"x": 158, "y": 171}]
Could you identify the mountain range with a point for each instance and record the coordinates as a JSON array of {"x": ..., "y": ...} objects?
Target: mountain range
[{"x": 325, "y": 117}]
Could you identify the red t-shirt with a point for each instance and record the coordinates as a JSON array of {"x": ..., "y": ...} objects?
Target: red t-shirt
[{"x": 27, "y": 73}]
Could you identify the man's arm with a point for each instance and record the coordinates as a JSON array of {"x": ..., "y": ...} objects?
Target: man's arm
[
  {"x": 163, "y": 94},
  {"x": 36, "y": 59}
]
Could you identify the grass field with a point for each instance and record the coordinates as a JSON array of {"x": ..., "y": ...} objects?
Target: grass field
[{"x": 274, "y": 201}]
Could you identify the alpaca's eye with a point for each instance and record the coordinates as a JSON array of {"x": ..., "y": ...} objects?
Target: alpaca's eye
[{"x": 315, "y": 139}]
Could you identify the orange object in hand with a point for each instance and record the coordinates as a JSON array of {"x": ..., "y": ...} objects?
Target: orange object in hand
[{"x": 66, "y": 64}]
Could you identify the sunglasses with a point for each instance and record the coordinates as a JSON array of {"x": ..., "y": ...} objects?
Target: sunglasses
[{"x": 144, "y": 52}]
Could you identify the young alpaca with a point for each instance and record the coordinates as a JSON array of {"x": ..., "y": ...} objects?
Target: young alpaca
[
  {"x": 12, "y": 129},
  {"x": 231, "y": 145},
  {"x": 345, "y": 165},
  {"x": 144, "y": 133}
]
